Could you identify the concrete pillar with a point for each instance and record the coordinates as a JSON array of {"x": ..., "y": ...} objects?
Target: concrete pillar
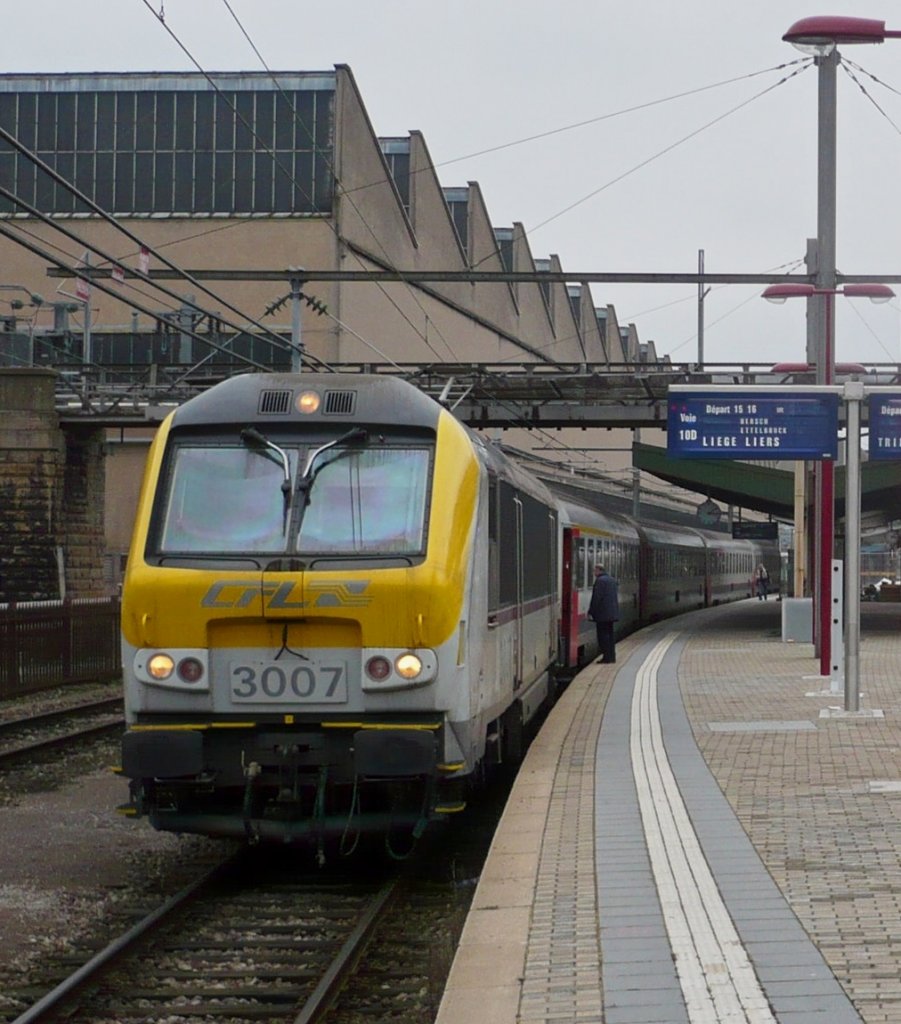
[
  {"x": 51, "y": 495},
  {"x": 32, "y": 453},
  {"x": 81, "y": 528}
]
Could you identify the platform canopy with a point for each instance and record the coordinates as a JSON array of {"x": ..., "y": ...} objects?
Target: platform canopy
[{"x": 770, "y": 489}]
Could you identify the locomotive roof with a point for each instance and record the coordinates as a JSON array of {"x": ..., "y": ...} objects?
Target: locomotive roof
[{"x": 346, "y": 397}]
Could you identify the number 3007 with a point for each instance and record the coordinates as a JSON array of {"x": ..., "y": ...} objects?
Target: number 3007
[{"x": 287, "y": 683}]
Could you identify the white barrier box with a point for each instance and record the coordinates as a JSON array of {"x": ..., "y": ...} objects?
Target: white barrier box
[{"x": 797, "y": 620}]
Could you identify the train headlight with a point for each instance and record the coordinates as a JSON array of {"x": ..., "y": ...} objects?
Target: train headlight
[
  {"x": 179, "y": 668},
  {"x": 160, "y": 666},
  {"x": 307, "y": 402},
  {"x": 398, "y": 669},
  {"x": 408, "y": 666}
]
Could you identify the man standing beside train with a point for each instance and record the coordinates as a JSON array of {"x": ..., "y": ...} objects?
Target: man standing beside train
[{"x": 604, "y": 610}]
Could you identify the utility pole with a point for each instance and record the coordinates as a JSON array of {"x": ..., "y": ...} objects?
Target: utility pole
[
  {"x": 87, "y": 353},
  {"x": 702, "y": 292},
  {"x": 296, "y": 327}
]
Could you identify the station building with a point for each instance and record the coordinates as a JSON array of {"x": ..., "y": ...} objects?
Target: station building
[{"x": 241, "y": 172}]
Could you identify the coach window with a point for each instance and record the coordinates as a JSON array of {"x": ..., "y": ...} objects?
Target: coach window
[
  {"x": 493, "y": 548},
  {"x": 539, "y": 526},
  {"x": 509, "y": 550}
]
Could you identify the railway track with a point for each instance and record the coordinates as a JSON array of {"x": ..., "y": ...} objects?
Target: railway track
[
  {"x": 259, "y": 940},
  {"x": 248, "y": 942},
  {"x": 31, "y": 735}
]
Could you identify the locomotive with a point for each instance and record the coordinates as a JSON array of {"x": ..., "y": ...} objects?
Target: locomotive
[{"x": 341, "y": 606}]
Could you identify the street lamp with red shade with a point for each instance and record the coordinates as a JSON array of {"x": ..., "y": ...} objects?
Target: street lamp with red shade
[
  {"x": 780, "y": 293},
  {"x": 821, "y": 36}
]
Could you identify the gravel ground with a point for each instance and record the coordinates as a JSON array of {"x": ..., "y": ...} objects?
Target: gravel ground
[
  {"x": 59, "y": 697},
  {"x": 67, "y": 859}
]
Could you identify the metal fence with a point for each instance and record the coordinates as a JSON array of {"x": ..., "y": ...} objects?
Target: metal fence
[{"x": 50, "y": 643}]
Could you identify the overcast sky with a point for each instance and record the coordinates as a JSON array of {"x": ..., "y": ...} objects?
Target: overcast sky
[{"x": 689, "y": 136}]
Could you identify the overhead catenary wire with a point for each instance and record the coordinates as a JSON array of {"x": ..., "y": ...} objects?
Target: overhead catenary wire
[
  {"x": 36, "y": 250},
  {"x": 438, "y": 331},
  {"x": 85, "y": 275},
  {"x": 345, "y": 193},
  {"x": 799, "y": 66},
  {"x": 273, "y": 339},
  {"x": 112, "y": 291},
  {"x": 847, "y": 67},
  {"x": 610, "y": 115},
  {"x": 674, "y": 145},
  {"x": 289, "y": 175}
]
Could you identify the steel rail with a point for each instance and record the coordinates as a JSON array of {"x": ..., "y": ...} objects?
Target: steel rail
[
  {"x": 339, "y": 970},
  {"x": 49, "y": 1003},
  {"x": 74, "y": 710},
  {"x": 25, "y": 750}
]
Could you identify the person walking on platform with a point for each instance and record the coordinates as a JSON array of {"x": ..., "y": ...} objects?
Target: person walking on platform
[
  {"x": 604, "y": 611},
  {"x": 762, "y": 579}
]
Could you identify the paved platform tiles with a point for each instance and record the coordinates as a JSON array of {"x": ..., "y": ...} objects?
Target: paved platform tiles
[{"x": 798, "y": 815}]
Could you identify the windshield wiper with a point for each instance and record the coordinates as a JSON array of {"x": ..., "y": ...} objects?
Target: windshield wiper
[
  {"x": 261, "y": 444},
  {"x": 305, "y": 483},
  {"x": 308, "y": 477},
  {"x": 257, "y": 442}
]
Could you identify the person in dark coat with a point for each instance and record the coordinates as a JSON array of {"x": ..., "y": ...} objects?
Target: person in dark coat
[
  {"x": 762, "y": 580},
  {"x": 604, "y": 611}
]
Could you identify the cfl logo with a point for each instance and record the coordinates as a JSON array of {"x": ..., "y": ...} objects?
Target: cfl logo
[
  {"x": 239, "y": 594},
  {"x": 338, "y": 594}
]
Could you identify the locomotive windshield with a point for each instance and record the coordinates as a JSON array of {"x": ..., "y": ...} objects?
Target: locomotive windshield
[{"x": 229, "y": 500}]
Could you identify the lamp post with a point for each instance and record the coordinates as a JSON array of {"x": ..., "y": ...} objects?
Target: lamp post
[
  {"x": 821, "y": 36},
  {"x": 875, "y": 293}
]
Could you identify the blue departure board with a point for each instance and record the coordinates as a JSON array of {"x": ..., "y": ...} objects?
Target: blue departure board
[
  {"x": 752, "y": 425},
  {"x": 885, "y": 425}
]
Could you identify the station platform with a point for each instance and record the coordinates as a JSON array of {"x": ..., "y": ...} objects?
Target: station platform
[{"x": 699, "y": 834}]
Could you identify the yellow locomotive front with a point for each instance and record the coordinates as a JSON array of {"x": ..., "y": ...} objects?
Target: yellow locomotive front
[{"x": 293, "y": 610}]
